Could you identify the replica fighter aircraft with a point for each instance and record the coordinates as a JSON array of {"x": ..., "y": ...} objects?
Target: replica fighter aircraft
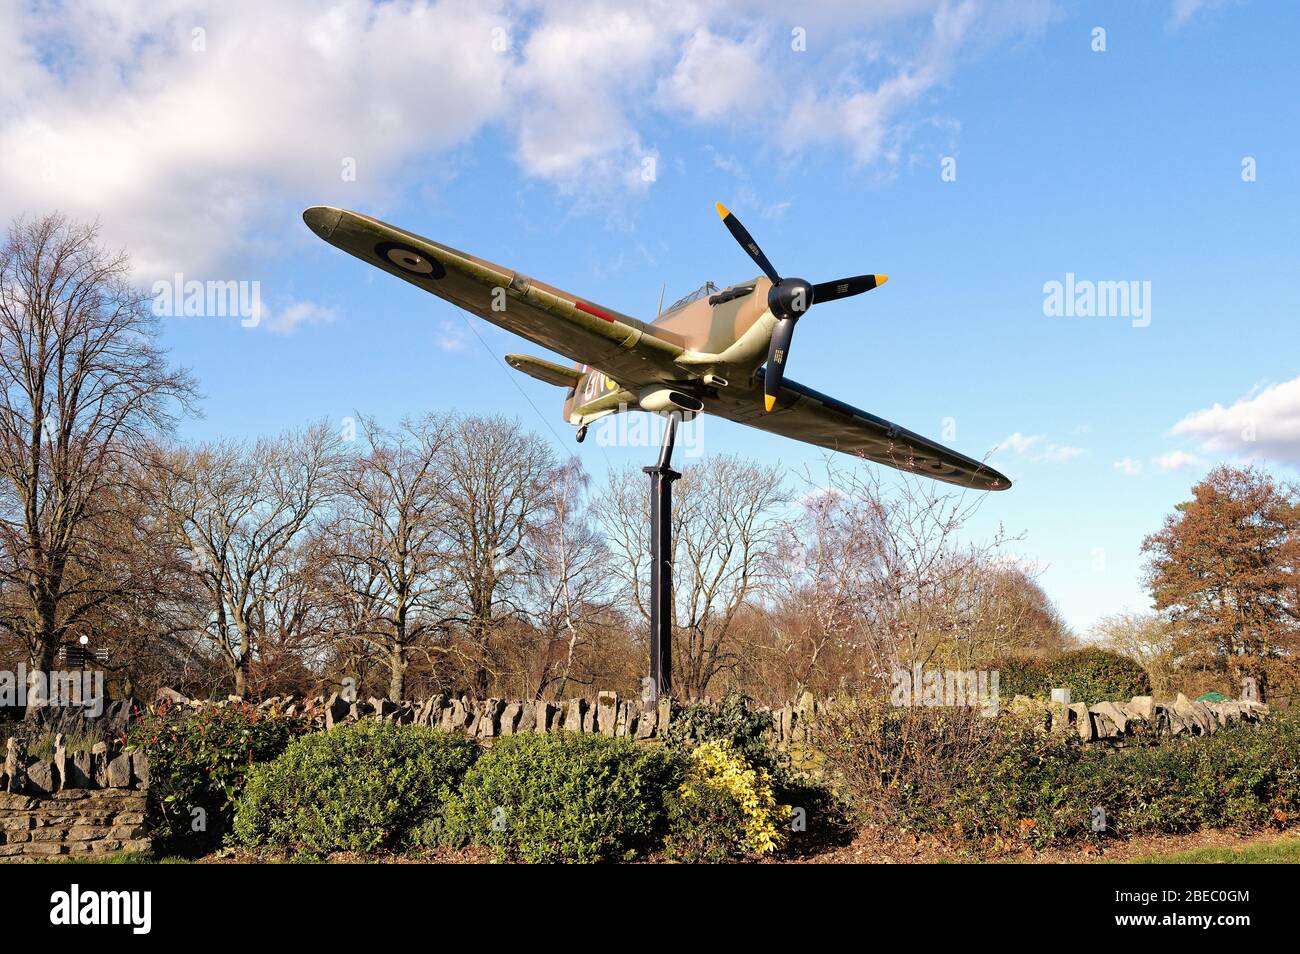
[{"x": 716, "y": 351}]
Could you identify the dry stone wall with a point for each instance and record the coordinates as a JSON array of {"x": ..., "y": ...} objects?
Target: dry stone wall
[
  {"x": 1116, "y": 721},
  {"x": 794, "y": 722},
  {"x": 80, "y": 803}
]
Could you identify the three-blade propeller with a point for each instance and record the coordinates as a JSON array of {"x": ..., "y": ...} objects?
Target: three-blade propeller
[{"x": 788, "y": 299}]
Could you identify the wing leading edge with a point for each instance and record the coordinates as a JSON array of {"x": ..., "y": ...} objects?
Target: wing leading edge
[
  {"x": 570, "y": 325},
  {"x": 803, "y": 414}
]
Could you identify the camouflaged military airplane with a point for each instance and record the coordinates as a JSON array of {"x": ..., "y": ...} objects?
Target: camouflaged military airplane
[{"x": 715, "y": 351}]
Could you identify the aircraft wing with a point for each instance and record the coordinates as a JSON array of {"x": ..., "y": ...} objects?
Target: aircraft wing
[
  {"x": 803, "y": 414},
  {"x": 568, "y": 324}
]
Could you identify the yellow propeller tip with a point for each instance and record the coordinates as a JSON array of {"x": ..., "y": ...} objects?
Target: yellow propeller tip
[
  {"x": 881, "y": 279},
  {"x": 769, "y": 401},
  {"x": 722, "y": 209}
]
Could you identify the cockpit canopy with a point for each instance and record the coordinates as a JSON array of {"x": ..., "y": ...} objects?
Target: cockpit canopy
[
  {"x": 715, "y": 295},
  {"x": 708, "y": 288}
]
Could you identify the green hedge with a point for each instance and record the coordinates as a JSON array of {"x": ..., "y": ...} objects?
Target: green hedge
[
  {"x": 1097, "y": 675},
  {"x": 1030, "y": 788},
  {"x": 362, "y": 787},
  {"x": 1020, "y": 676},
  {"x": 1092, "y": 675},
  {"x": 565, "y": 797},
  {"x": 733, "y": 721}
]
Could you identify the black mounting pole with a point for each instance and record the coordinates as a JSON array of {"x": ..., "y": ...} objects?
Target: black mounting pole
[{"x": 661, "y": 567}]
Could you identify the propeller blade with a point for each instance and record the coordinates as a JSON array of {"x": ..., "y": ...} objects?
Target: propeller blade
[
  {"x": 741, "y": 235},
  {"x": 777, "y": 352},
  {"x": 846, "y": 287}
]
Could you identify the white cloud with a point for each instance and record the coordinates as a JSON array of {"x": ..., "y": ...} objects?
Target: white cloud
[
  {"x": 1017, "y": 442},
  {"x": 1061, "y": 452},
  {"x": 816, "y": 497},
  {"x": 184, "y": 151},
  {"x": 1036, "y": 447},
  {"x": 866, "y": 116},
  {"x": 451, "y": 337},
  {"x": 746, "y": 196},
  {"x": 1175, "y": 460},
  {"x": 1184, "y": 10},
  {"x": 1172, "y": 461},
  {"x": 287, "y": 319},
  {"x": 197, "y": 129},
  {"x": 718, "y": 78},
  {"x": 1264, "y": 423}
]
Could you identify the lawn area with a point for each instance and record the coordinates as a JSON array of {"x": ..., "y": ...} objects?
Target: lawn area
[
  {"x": 1285, "y": 849},
  {"x": 119, "y": 858}
]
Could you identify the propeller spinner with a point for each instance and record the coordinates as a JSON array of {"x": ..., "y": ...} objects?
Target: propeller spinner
[{"x": 788, "y": 299}]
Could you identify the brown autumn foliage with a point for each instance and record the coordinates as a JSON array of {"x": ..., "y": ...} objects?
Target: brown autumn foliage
[{"x": 1224, "y": 567}]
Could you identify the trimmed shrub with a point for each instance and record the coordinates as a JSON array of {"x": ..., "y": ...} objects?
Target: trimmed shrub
[
  {"x": 565, "y": 797},
  {"x": 998, "y": 784},
  {"x": 1021, "y": 676},
  {"x": 734, "y": 722},
  {"x": 1023, "y": 787},
  {"x": 362, "y": 787},
  {"x": 198, "y": 763},
  {"x": 704, "y": 827},
  {"x": 1092, "y": 675},
  {"x": 1095, "y": 675}
]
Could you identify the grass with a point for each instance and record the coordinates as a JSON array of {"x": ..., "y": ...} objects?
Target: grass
[
  {"x": 119, "y": 858},
  {"x": 1281, "y": 851}
]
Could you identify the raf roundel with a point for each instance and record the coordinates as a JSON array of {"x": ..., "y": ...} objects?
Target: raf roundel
[{"x": 410, "y": 260}]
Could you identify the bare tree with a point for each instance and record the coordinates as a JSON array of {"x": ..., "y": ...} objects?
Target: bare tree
[
  {"x": 725, "y": 533},
  {"x": 1150, "y": 639},
  {"x": 568, "y": 583},
  {"x": 83, "y": 386},
  {"x": 237, "y": 512},
  {"x": 389, "y": 534},
  {"x": 496, "y": 478},
  {"x": 876, "y": 579}
]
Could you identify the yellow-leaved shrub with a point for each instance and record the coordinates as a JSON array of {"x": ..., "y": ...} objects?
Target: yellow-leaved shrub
[{"x": 718, "y": 766}]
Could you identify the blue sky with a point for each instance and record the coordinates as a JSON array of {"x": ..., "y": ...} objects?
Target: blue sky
[{"x": 1122, "y": 165}]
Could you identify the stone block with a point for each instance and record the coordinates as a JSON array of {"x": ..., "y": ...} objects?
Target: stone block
[{"x": 119, "y": 772}]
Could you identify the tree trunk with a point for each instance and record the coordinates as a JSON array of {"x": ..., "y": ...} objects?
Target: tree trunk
[{"x": 397, "y": 670}]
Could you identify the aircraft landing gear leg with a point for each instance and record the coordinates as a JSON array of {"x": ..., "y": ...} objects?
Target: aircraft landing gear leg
[
  {"x": 662, "y": 475},
  {"x": 582, "y": 433}
]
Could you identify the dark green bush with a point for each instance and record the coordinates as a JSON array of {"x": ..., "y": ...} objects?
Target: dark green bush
[
  {"x": 1096, "y": 675},
  {"x": 362, "y": 787},
  {"x": 1092, "y": 675},
  {"x": 732, "y": 721},
  {"x": 198, "y": 762},
  {"x": 708, "y": 828},
  {"x": 1024, "y": 786},
  {"x": 1037, "y": 789},
  {"x": 565, "y": 797}
]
